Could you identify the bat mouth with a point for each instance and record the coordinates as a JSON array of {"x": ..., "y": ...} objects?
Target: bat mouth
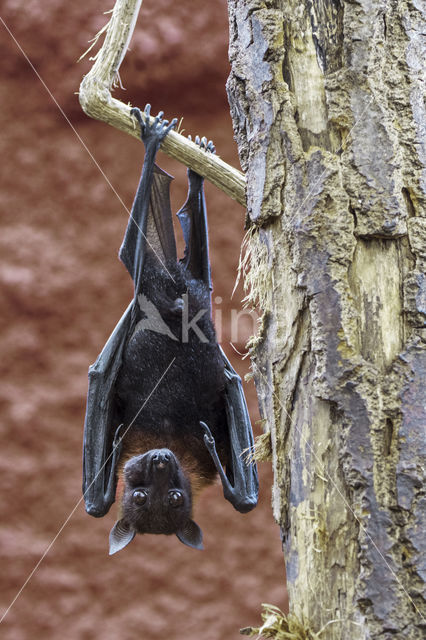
[{"x": 163, "y": 464}]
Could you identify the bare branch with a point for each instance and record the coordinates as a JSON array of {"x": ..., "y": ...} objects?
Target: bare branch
[{"x": 97, "y": 102}]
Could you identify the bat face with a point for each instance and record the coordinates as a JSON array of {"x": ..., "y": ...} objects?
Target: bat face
[
  {"x": 156, "y": 499},
  {"x": 157, "y": 495}
]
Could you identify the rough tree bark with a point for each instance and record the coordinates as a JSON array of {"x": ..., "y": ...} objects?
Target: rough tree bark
[{"x": 327, "y": 104}]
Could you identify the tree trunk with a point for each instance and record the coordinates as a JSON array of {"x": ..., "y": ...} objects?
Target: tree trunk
[{"x": 326, "y": 100}]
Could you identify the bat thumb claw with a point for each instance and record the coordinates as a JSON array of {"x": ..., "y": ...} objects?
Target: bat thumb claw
[
  {"x": 208, "y": 438},
  {"x": 117, "y": 435},
  {"x": 205, "y": 428}
]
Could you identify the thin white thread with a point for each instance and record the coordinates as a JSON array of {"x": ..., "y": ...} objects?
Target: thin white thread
[
  {"x": 158, "y": 257},
  {"x": 307, "y": 443},
  {"x": 80, "y": 501}
]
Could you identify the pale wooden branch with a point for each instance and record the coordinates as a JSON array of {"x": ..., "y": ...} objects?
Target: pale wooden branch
[{"x": 97, "y": 102}]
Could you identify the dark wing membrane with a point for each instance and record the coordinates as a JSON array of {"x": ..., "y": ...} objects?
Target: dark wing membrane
[
  {"x": 244, "y": 484},
  {"x": 151, "y": 230},
  {"x": 193, "y": 220},
  {"x": 99, "y": 454}
]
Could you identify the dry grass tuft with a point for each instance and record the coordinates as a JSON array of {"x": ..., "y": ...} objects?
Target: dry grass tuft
[{"x": 279, "y": 626}]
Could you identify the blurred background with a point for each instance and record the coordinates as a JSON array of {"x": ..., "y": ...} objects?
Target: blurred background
[{"x": 62, "y": 290}]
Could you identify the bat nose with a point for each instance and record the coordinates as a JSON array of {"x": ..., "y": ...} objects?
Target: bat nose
[{"x": 161, "y": 458}]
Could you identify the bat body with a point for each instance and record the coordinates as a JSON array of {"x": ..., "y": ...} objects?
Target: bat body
[{"x": 165, "y": 410}]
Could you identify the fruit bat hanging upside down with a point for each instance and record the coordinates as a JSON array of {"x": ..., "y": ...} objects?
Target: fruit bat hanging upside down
[{"x": 165, "y": 411}]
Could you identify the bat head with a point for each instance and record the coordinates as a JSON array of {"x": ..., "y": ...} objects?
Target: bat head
[{"x": 156, "y": 499}]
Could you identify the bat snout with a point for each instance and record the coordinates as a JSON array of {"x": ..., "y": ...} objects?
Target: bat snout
[{"x": 162, "y": 458}]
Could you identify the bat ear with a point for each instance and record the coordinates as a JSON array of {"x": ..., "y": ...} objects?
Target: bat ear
[
  {"x": 191, "y": 535},
  {"x": 120, "y": 536}
]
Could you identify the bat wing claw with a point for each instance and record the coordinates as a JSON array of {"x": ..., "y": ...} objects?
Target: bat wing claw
[
  {"x": 208, "y": 438},
  {"x": 237, "y": 495}
]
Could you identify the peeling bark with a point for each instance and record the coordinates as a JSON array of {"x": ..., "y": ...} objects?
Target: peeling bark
[
  {"x": 327, "y": 105},
  {"x": 97, "y": 102}
]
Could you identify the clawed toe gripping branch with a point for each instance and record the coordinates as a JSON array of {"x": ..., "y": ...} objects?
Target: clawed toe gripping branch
[{"x": 97, "y": 102}]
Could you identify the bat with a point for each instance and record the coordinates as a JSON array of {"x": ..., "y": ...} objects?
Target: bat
[{"x": 166, "y": 412}]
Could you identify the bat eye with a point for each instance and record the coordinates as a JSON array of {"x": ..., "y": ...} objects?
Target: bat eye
[
  {"x": 175, "y": 498},
  {"x": 139, "y": 496}
]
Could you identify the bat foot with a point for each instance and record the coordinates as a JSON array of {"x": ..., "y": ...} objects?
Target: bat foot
[
  {"x": 152, "y": 132},
  {"x": 203, "y": 144}
]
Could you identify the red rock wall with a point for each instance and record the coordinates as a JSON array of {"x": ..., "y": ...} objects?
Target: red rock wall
[{"x": 62, "y": 289}]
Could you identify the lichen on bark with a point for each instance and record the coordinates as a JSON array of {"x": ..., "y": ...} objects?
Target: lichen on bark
[{"x": 326, "y": 103}]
